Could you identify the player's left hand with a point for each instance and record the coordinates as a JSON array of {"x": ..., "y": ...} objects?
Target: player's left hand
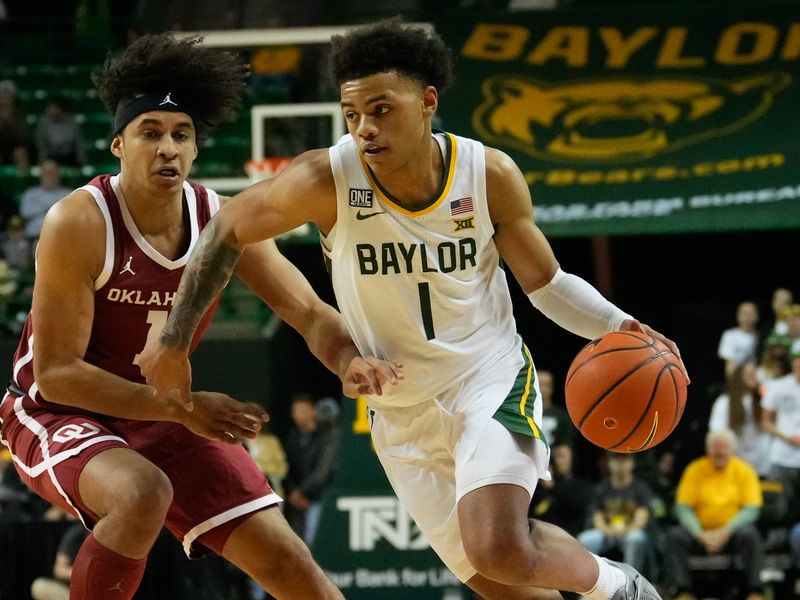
[
  {"x": 219, "y": 417},
  {"x": 366, "y": 376},
  {"x": 634, "y": 325}
]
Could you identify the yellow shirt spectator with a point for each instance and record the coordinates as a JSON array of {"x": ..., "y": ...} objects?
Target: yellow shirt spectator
[
  {"x": 718, "y": 495},
  {"x": 268, "y": 453}
]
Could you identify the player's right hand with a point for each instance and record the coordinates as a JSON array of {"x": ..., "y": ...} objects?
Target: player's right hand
[
  {"x": 168, "y": 370},
  {"x": 366, "y": 376},
  {"x": 634, "y": 325},
  {"x": 219, "y": 417}
]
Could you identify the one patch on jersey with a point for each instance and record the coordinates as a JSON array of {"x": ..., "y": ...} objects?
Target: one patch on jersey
[
  {"x": 360, "y": 198},
  {"x": 468, "y": 223}
]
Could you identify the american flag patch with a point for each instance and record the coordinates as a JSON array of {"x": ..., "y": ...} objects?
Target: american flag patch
[{"x": 461, "y": 206}]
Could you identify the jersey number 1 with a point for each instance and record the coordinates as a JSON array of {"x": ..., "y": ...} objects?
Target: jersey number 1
[
  {"x": 425, "y": 306},
  {"x": 156, "y": 319}
]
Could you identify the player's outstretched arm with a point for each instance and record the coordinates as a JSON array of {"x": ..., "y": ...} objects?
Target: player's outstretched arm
[
  {"x": 568, "y": 300},
  {"x": 165, "y": 361},
  {"x": 260, "y": 212},
  {"x": 288, "y": 293}
]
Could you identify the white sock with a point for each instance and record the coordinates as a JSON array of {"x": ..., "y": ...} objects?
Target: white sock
[{"x": 608, "y": 583}]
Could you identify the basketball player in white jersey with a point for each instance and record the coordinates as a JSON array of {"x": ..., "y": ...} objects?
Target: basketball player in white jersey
[
  {"x": 85, "y": 431},
  {"x": 413, "y": 224}
]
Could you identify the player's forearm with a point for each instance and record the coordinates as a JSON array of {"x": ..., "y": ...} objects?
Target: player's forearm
[
  {"x": 208, "y": 271},
  {"x": 578, "y": 307},
  {"x": 82, "y": 385},
  {"x": 328, "y": 340}
]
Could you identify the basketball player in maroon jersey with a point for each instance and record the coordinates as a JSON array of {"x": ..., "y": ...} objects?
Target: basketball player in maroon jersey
[{"x": 86, "y": 432}]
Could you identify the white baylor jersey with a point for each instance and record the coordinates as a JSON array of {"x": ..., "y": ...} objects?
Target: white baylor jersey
[{"x": 424, "y": 287}]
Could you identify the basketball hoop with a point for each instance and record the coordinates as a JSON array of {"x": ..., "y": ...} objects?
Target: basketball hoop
[{"x": 265, "y": 168}]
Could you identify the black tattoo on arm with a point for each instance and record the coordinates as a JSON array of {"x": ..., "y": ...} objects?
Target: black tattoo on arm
[{"x": 210, "y": 266}]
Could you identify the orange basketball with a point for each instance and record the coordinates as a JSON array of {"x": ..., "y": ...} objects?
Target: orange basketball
[{"x": 625, "y": 391}]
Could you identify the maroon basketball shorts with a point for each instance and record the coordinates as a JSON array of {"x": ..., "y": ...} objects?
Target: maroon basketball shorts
[{"x": 215, "y": 485}]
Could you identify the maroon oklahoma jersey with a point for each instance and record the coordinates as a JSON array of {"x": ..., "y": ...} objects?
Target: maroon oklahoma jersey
[
  {"x": 216, "y": 486},
  {"x": 135, "y": 291}
]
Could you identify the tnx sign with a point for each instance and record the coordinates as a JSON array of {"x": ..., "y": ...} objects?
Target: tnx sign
[{"x": 373, "y": 518}]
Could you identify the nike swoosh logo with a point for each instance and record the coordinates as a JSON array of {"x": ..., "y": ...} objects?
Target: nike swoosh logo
[{"x": 361, "y": 216}]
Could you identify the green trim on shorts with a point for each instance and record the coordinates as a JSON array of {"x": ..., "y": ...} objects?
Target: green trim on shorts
[{"x": 516, "y": 411}]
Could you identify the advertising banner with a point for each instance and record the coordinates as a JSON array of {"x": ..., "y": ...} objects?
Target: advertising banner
[
  {"x": 641, "y": 119},
  {"x": 367, "y": 543}
]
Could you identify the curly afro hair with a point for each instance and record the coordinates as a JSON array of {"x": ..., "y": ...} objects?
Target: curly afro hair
[
  {"x": 390, "y": 45},
  {"x": 156, "y": 64}
]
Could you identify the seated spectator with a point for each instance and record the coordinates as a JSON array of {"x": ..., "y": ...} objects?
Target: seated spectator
[
  {"x": 15, "y": 138},
  {"x": 775, "y": 328},
  {"x": 16, "y": 275},
  {"x": 267, "y": 451},
  {"x": 781, "y": 419},
  {"x": 8, "y": 288},
  {"x": 561, "y": 500},
  {"x": 790, "y": 316},
  {"x": 57, "y": 586},
  {"x": 774, "y": 364},
  {"x": 8, "y": 282},
  {"x": 556, "y": 424},
  {"x": 8, "y": 204},
  {"x": 738, "y": 344},
  {"x": 15, "y": 247},
  {"x": 58, "y": 135},
  {"x": 663, "y": 482},
  {"x": 739, "y": 409},
  {"x": 620, "y": 511},
  {"x": 781, "y": 298},
  {"x": 717, "y": 505},
  {"x": 37, "y": 200}
]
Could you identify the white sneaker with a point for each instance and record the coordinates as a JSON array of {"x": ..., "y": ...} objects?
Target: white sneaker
[{"x": 636, "y": 586}]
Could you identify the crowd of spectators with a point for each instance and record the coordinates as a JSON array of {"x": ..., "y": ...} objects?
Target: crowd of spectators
[
  {"x": 18, "y": 238},
  {"x": 737, "y": 502},
  {"x": 731, "y": 507}
]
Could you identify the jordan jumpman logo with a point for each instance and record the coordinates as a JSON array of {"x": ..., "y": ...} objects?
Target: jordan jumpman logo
[
  {"x": 167, "y": 100},
  {"x": 127, "y": 267},
  {"x": 117, "y": 587}
]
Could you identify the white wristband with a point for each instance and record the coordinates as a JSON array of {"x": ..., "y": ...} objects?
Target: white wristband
[{"x": 575, "y": 305}]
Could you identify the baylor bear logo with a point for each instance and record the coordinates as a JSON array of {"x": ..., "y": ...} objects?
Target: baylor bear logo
[{"x": 618, "y": 118}]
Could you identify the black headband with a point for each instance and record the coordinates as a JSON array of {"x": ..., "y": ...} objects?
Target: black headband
[{"x": 130, "y": 108}]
